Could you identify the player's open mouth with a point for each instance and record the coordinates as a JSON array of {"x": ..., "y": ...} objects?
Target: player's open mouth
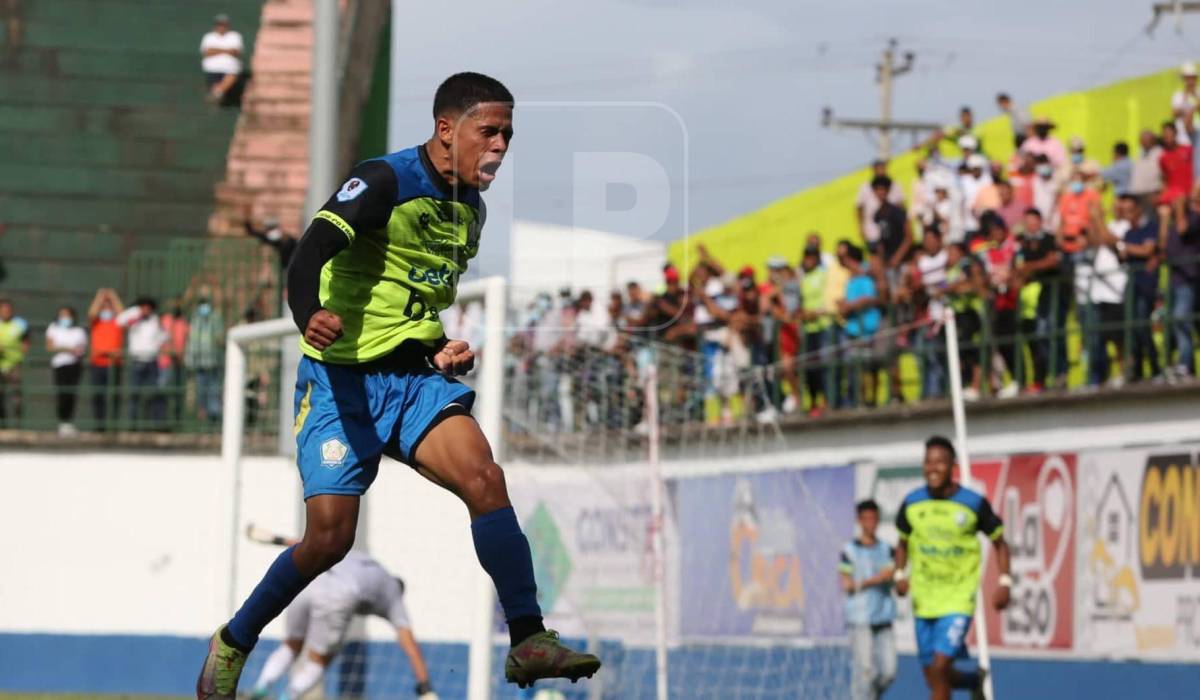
[{"x": 487, "y": 171}]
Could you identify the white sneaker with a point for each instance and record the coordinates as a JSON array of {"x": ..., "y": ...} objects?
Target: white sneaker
[
  {"x": 67, "y": 430},
  {"x": 790, "y": 404},
  {"x": 767, "y": 415},
  {"x": 970, "y": 394},
  {"x": 1009, "y": 391},
  {"x": 1116, "y": 382}
]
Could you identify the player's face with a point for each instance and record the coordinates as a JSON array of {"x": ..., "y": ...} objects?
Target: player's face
[
  {"x": 480, "y": 139},
  {"x": 937, "y": 467},
  {"x": 868, "y": 521}
]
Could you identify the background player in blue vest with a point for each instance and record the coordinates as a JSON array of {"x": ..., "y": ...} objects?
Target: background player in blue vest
[
  {"x": 938, "y": 524},
  {"x": 367, "y": 281},
  {"x": 866, "y": 572}
]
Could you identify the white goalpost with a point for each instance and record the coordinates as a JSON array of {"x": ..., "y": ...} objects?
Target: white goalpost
[
  {"x": 241, "y": 344},
  {"x": 964, "y": 461}
]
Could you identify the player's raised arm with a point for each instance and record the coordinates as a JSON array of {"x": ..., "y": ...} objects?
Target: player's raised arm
[{"x": 362, "y": 204}]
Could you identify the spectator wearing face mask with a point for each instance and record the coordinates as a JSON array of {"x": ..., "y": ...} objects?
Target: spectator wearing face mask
[
  {"x": 68, "y": 344},
  {"x": 105, "y": 360},
  {"x": 146, "y": 338},
  {"x": 1078, "y": 157},
  {"x": 202, "y": 358},
  {"x": 975, "y": 176},
  {"x": 1075, "y": 207},
  {"x": 1041, "y": 143},
  {"x": 1046, "y": 190}
]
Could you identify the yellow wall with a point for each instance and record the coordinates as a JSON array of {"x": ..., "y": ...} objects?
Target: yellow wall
[{"x": 1101, "y": 116}]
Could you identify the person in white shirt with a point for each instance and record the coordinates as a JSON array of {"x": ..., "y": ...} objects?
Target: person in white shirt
[
  {"x": 1100, "y": 282},
  {"x": 976, "y": 177},
  {"x": 69, "y": 343},
  {"x": 221, "y": 57},
  {"x": 145, "y": 336},
  {"x": 1184, "y": 104},
  {"x": 318, "y": 618}
]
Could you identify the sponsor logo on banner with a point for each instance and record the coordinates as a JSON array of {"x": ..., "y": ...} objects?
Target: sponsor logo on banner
[
  {"x": 758, "y": 552},
  {"x": 1035, "y": 496},
  {"x": 1139, "y": 554}
]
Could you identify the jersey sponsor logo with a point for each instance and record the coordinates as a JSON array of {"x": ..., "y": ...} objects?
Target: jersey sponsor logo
[
  {"x": 333, "y": 452},
  {"x": 436, "y": 278},
  {"x": 353, "y": 187}
]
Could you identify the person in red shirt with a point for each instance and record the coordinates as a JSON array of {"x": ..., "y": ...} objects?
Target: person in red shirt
[
  {"x": 107, "y": 341},
  {"x": 998, "y": 259},
  {"x": 1176, "y": 166}
]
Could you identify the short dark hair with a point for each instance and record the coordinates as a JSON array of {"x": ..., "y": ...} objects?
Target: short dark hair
[
  {"x": 881, "y": 181},
  {"x": 943, "y": 442},
  {"x": 990, "y": 219},
  {"x": 1131, "y": 198},
  {"x": 965, "y": 109},
  {"x": 146, "y": 301},
  {"x": 1002, "y": 97},
  {"x": 868, "y": 504},
  {"x": 1121, "y": 148},
  {"x": 1033, "y": 211},
  {"x": 854, "y": 252},
  {"x": 1171, "y": 125},
  {"x": 462, "y": 91}
]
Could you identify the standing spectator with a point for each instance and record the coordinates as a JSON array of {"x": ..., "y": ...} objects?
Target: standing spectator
[
  {"x": 146, "y": 338},
  {"x": 1180, "y": 241},
  {"x": 818, "y": 341},
  {"x": 68, "y": 343},
  {"x": 895, "y": 305},
  {"x": 1075, "y": 207},
  {"x": 271, "y": 233},
  {"x": 1120, "y": 173},
  {"x": 998, "y": 258},
  {"x": 1184, "y": 104},
  {"x": 635, "y": 305},
  {"x": 108, "y": 342},
  {"x": 1100, "y": 286},
  {"x": 1140, "y": 252},
  {"x": 895, "y": 230},
  {"x": 860, "y": 309},
  {"x": 956, "y": 133},
  {"x": 964, "y": 292},
  {"x": 931, "y": 272},
  {"x": 868, "y": 202},
  {"x": 14, "y": 345},
  {"x": 1176, "y": 165},
  {"x": 1021, "y": 175},
  {"x": 1019, "y": 118},
  {"x": 974, "y": 178},
  {"x": 947, "y": 210},
  {"x": 202, "y": 358},
  {"x": 1036, "y": 275},
  {"x": 720, "y": 378},
  {"x": 170, "y": 360},
  {"x": 1009, "y": 208},
  {"x": 1041, "y": 143},
  {"x": 1046, "y": 191},
  {"x": 1145, "y": 180},
  {"x": 221, "y": 51},
  {"x": 866, "y": 570},
  {"x": 1078, "y": 156},
  {"x": 836, "y": 280},
  {"x": 784, "y": 304}
]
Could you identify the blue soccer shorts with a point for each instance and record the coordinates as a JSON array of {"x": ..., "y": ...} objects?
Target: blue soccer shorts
[
  {"x": 348, "y": 416},
  {"x": 942, "y": 635}
]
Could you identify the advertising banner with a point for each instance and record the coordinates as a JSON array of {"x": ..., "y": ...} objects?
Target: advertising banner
[
  {"x": 1035, "y": 496},
  {"x": 591, "y": 538},
  {"x": 758, "y": 552},
  {"x": 1138, "y": 554}
]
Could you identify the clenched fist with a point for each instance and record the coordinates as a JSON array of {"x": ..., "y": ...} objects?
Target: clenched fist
[
  {"x": 454, "y": 358},
  {"x": 323, "y": 329}
]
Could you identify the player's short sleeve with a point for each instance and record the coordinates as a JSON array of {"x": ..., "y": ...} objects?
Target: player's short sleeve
[
  {"x": 397, "y": 613},
  {"x": 902, "y": 525},
  {"x": 845, "y": 564},
  {"x": 206, "y": 42},
  {"x": 364, "y": 201},
  {"x": 987, "y": 521}
]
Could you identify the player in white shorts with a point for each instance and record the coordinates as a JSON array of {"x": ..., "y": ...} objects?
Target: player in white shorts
[{"x": 318, "y": 618}]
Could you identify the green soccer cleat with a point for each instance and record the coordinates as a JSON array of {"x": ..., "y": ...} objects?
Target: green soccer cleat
[
  {"x": 219, "y": 677},
  {"x": 544, "y": 656}
]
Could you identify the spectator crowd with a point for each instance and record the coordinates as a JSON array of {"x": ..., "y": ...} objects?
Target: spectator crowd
[{"x": 1048, "y": 260}]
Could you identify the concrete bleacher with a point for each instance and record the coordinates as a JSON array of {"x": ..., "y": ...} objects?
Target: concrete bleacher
[{"x": 108, "y": 144}]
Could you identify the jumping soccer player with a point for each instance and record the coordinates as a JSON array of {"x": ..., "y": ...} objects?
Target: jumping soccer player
[
  {"x": 320, "y": 616},
  {"x": 377, "y": 264},
  {"x": 938, "y": 525}
]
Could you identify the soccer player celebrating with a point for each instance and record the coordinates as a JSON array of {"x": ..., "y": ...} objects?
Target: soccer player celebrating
[
  {"x": 320, "y": 616},
  {"x": 367, "y": 280},
  {"x": 937, "y": 525}
]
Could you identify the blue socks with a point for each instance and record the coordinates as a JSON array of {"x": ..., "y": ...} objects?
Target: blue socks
[
  {"x": 281, "y": 584},
  {"x": 504, "y": 553}
]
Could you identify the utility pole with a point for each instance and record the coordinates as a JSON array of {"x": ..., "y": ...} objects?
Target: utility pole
[
  {"x": 886, "y": 71},
  {"x": 1179, "y": 7}
]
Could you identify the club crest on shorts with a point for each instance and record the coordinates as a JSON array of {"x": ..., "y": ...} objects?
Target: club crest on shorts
[
  {"x": 333, "y": 452},
  {"x": 353, "y": 187}
]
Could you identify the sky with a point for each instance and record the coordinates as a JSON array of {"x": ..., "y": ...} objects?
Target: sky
[{"x": 657, "y": 118}]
